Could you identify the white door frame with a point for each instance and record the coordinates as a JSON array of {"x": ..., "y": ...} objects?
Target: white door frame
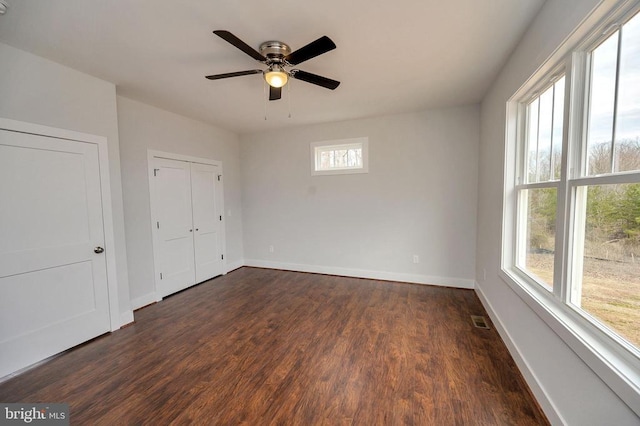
[
  {"x": 105, "y": 193},
  {"x": 153, "y": 154}
]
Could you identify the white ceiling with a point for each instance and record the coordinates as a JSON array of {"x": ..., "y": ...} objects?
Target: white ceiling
[{"x": 392, "y": 57}]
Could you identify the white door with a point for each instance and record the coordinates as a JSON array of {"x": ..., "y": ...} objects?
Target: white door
[
  {"x": 174, "y": 225},
  {"x": 53, "y": 278},
  {"x": 207, "y": 220}
]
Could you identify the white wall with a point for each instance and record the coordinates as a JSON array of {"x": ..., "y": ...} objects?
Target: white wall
[
  {"x": 418, "y": 198},
  {"x": 565, "y": 386},
  {"x": 144, "y": 127},
  {"x": 36, "y": 90}
]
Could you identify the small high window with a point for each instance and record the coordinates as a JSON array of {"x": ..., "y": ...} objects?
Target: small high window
[{"x": 343, "y": 156}]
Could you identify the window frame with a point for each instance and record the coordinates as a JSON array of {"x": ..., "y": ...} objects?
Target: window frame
[
  {"x": 614, "y": 360},
  {"x": 522, "y": 172},
  {"x": 363, "y": 142}
]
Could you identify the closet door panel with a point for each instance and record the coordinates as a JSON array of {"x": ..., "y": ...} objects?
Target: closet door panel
[
  {"x": 207, "y": 219},
  {"x": 174, "y": 227}
]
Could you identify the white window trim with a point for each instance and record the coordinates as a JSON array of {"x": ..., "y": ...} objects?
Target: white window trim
[
  {"x": 603, "y": 352},
  {"x": 341, "y": 143}
]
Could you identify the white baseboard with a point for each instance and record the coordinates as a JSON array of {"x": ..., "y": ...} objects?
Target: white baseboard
[
  {"x": 153, "y": 297},
  {"x": 144, "y": 300},
  {"x": 364, "y": 273},
  {"x": 232, "y": 266},
  {"x": 126, "y": 318},
  {"x": 530, "y": 377}
]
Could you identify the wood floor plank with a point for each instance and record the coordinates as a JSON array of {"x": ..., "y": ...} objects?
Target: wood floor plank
[{"x": 266, "y": 347}]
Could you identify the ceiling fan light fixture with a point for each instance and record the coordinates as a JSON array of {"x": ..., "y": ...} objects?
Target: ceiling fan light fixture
[
  {"x": 277, "y": 56},
  {"x": 276, "y": 76}
]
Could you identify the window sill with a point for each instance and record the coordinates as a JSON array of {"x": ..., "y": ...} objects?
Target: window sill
[
  {"x": 618, "y": 368},
  {"x": 338, "y": 172}
]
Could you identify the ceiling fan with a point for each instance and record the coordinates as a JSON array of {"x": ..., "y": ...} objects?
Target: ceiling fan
[{"x": 277, "y": 56}]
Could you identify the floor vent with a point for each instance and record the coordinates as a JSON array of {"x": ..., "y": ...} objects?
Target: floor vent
[{"x": 479, "y": 322}]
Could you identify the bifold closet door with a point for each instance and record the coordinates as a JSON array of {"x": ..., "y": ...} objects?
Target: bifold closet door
[
  {"x": 174, "y": 251},
  {"x": 206, "y": 221},
  {"x": 188, "y": 223}
]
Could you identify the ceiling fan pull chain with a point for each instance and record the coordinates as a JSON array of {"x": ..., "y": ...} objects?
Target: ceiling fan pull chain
[
  {"x": 264, "y": 97},
  {"x": 289, "y": 97}
]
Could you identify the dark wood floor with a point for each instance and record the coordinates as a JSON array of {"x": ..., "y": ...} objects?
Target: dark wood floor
[{"x": 271, "y": 347}]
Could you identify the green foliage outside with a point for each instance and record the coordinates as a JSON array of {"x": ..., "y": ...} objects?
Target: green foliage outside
[
  {"x": 613, "y": 211},
  {"x": 610, "y": 282},
  {"x": 542, "y": 218}
]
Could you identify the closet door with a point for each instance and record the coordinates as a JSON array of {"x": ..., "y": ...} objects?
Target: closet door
[
  {"x": 174, "y": 226},
  {"x": 207, "y": 219}
]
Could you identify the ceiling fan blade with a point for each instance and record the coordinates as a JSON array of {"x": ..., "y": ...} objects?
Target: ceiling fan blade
[
  {"x": 233, "y": 74},
  {"x": 275, "y": 93},
  {"x": 230, "y": 38},
  {"x": 311, "y": 50},
  {"x": 315, "y": 79}
]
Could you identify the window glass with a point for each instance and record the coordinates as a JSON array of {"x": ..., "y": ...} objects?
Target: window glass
[
  {"x": 536, "y": 235},
  {"x": 540, "y": 234},
  {"x": 628, "y": 117},
  {"x": 544, "y": 134},
  {"x": 603, "y": 83},
  {"x": 609, "y": 285},
  {"x": 558, "y": 121},
  {"x": 532, "y": 137},
  {"x": 330, "y": 158},
  {"x": 615, "y": 102}
]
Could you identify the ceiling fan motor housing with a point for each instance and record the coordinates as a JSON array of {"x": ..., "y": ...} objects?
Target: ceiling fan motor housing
[{"x": 274, "y": 51}]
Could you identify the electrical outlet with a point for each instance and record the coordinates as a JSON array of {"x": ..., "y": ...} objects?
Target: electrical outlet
[
  {"x": 270, "y": 249},
  {"x": 416, "y": 258}
]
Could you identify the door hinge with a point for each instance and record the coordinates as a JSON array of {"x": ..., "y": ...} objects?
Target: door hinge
[
  {"x": 220, "y": 217},
  {"x": 155, "y": 172},
  {"x": 219, "y": 177},
  {"x": 158, "y": 225},
  {"x": 160, "y": 275},
  {"x": 222, "y": 255}
]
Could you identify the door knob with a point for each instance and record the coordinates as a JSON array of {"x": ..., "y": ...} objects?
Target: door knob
[{"x": 98, "y": 249}]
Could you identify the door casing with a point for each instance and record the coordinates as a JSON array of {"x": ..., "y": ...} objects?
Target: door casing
[{"x": 105, "y": 196}]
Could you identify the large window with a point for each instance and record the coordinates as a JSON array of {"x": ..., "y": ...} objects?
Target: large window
[
  {"x": 572, "y": 231},
  {"x": 605, "y": 278}
]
